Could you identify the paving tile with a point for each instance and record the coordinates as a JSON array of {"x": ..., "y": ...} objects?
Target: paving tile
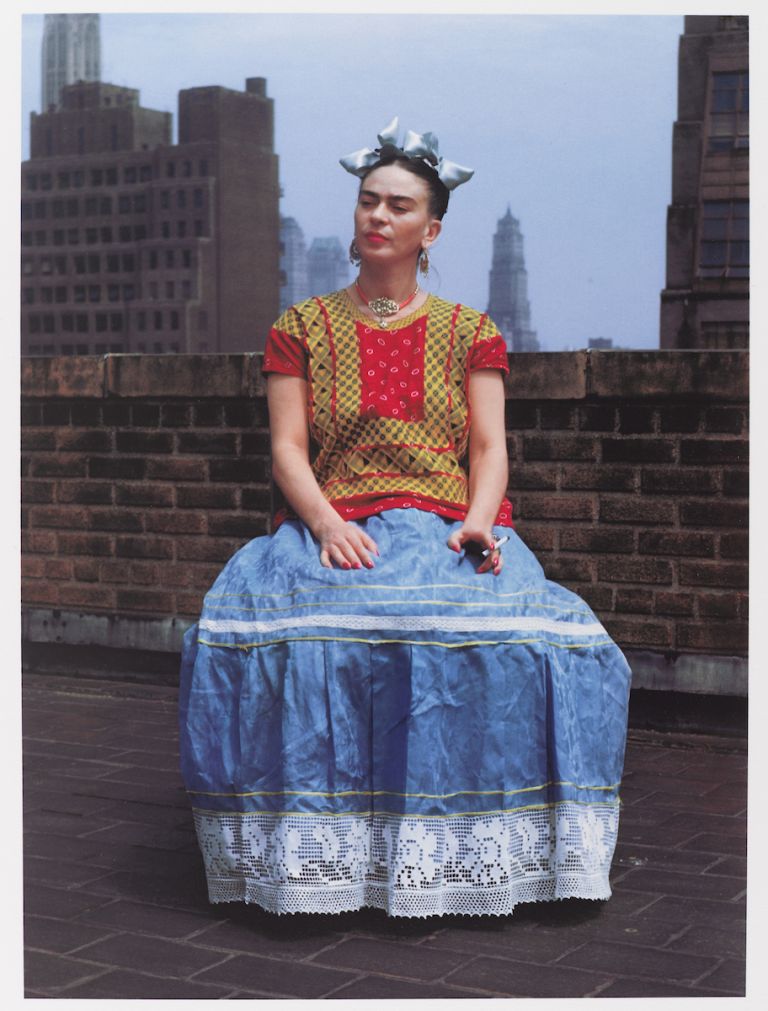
[
  {"x": 123, "y": 984},
  {"x": 392, "y": 958},
  {"x": 50, "y": 972},
  {"x": 661, "y": 782},
  {"x": 711, "y": 842},
  {"x": 719, "y": 915},
  {"x": 629, "y": 960},
  {"x": 144, "y": 775},
  {"x": 649, "y": 988},
  {"x": 62, "y": 873},
  {"x": 43, "y": 900},
  {"x": 150, "y": 954},
  {"x": 137, "y": 834},
  {"x": 146, "y": 814},
  {"x": 515, "y": 979},
  {"x": 687, "y": 861},
  {"x": 62, "y": 823},
  {"x": 383, "y": 988},
  {"x": 663, "y": 882},
  {"x": 717, "y": 802},
  {"x": 59, "y": 936},
  {"x": 269, "y": 976},
  {"x": 732, "y": 866},
  {"x": 254, "y": 939},
  {"x": 730, "y": 976},
  {"x": 706, "y": 940},
  {"x": 701, "y": 821},
  {"x": 532, "y": 945},
  {"x": 56, "y": 802},
  {"x": 187, "y": 890},
  {"x": 146, "y": 918},
  {"x": 67, "y": 749}
]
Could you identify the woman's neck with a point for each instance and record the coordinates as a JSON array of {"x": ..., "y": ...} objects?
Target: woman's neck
[{"x": 397, "y": 283}]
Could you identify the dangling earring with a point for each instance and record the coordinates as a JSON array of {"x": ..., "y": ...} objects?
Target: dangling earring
[
  {"x": 424, "y": 262},
  {"x": 354, "y": 254}
]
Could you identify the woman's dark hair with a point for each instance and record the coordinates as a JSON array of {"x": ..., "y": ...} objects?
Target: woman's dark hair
[{"x": 438, "y": 192}]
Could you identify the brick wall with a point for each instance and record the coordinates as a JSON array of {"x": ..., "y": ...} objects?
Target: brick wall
[{"x": 628, "y": 473}]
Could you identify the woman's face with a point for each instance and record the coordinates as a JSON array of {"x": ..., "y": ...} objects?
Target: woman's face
[{"x": 392, "y": 217}]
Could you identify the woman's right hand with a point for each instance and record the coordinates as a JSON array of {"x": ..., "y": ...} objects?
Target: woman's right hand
[{"x": 345, "y": 544}]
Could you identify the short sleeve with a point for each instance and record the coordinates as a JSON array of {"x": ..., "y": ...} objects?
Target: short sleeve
[
  {"x": 284, "y": 352},
  {"x": 489, "y": 350}
]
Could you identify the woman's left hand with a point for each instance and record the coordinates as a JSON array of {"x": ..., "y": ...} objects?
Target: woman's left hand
[{"x": 468, "y": 532}]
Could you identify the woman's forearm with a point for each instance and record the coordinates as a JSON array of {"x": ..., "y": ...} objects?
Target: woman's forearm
[
  {"x": 488, "y": 475},
  {"x": 293, "y": 474}
]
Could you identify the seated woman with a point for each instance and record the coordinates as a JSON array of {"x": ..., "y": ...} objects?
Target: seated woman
[{"x": 375, "y": 711}]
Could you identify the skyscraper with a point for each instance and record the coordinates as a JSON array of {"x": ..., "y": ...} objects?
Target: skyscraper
[
  {"x": 705, "y": 302},
  {"x": 294, "y": 276},
  {"x": 328, "y": 266},
  {"x": 71, "y": 52},
  {"x": 132, "y": 243},
  {"x": 508, "y": 304}
]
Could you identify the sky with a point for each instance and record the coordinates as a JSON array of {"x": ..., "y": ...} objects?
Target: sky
[{"x": 566, "y": 119}]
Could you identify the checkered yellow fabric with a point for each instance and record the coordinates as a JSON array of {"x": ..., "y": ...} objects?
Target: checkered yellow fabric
[{"x": 360, "y": 455}]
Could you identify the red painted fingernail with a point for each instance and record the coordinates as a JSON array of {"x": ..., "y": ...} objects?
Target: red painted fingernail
[
  {"x": 345, "y": 565},
  {"x": 358, "y": 565}
]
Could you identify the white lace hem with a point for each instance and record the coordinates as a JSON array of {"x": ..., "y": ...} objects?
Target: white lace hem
[{"x": 408, "y": 866}]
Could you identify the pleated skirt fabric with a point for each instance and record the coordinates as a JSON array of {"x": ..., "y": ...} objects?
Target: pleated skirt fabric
[{"x": 416, "y": 737}]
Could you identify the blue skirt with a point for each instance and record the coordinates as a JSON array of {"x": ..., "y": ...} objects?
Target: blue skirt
[{"x": 417, "y": 736}]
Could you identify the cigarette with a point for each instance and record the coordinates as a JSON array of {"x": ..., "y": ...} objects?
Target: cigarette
[{"x": 499, "y": 542}]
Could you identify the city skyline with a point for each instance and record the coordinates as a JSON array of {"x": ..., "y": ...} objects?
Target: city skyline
[{"x": 592, "y": 129}]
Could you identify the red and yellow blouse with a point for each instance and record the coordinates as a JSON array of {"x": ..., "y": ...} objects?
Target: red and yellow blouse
[{"x": 388, "y": 408}]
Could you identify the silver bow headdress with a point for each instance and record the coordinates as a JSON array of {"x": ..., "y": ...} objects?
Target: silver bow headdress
[{"x": 415, "y": 145}]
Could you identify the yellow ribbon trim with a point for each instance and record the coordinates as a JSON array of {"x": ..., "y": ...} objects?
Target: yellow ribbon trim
[
  {"x": 396, "y": 793},
  {"x": 405, "y": 642},
  {"x": 400, "y": 814}
]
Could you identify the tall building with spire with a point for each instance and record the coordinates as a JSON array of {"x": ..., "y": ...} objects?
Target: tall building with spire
[
  {"x": 508, "y": 304},
  {"x": 71, "y": 52}
]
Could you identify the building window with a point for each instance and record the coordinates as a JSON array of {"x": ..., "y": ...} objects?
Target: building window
[
  {"x": 724, "y": 335},
  {"x": 61, "y": 294},
  {"x": 158, "y": 348},
  {"x": 729, "y": 115},
  {"x": 197, "y": 198},
  {"x": 181, "y": 229},
  {"x": 165, "y": 200},
  {"x": 203, "y": 168},
  {"x": 113, "y": 263},
  {"x": 724, "y": 244},
  {"x": 110, "y": 176},
  {"x": 67, "y": 349},
  {"x": 186, "y": 168},
  {"x": 170, "y": 289},
  {"x": 60, "y": 264},
  {"x": 140, "y": 232},
  {"x": 68, "y": 322},
  {"x": 153, "y": 259},
  {"x": 49, "y": 325},
  {"x": 123, "y": 204},
  {"x": 49, "y": 349},
  {"x": 113, "y": 292},
  {"x": 145, "y": 173},
  {"x": 80, "y": 264},
  {"x": 174, "y": 320},
  {"x": 81, "y": 322},
  {"x": 181, "y": 198},
  {"x": 158, "y": 320},
  {"x": 141, "y": 323},
  {"x": 153, "y": 291},
  {"x": 139, "y": 202},
  {"x": 94, "y": 292},
  {"x": 105, "y": 205},
  {"x": 101, "y": 322},
  {"x": 79, "y": 293},
  {"x": 170, "y": 169},
  {"x": 81, "y": 140},
  {"x": 34, "y": 324},
  {"x": 94, "y": 263},
  {"x": 128, "y": 261},
  {"x": 31, "y": 181},
  {"x": 45, "y": 181},
  {"x": 46, "y": 296},
  {"x": 124, "y": 233},
  {"x": 29, "y": 296},
  {"x": 91, "y": 205},
  {"x": 129, "y": 174},
  {"x": 41, "y": 209},
  {"x": 40, "y": 238},
  {"x": 28, "y": 266},
  {"x": 91, "y": 236},
  {"x": 116, "y": 322},
  {"x": 165, "y": 229},
  {"x": 62, "y": 180},
  {"x": 73, "y": 236},
  {"x": 170, "y": 259},
  {"x": 186, "y": 289},
  {"x": 106, "y": 233},
  {"x": 129, "y": 292},
  {"x": 186, "y": 258},
  {"x": 78, "y": 178},
  {"x": 97, "y": 177}
]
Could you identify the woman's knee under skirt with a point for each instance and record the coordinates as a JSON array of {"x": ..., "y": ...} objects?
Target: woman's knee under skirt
[{"x": 417, "y": 737}]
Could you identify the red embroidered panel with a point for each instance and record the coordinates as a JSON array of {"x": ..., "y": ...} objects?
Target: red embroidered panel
[{"x": 392, "y": 371}]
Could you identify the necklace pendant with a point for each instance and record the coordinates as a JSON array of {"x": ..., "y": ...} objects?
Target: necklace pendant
[{"x": 384, "y": 306}]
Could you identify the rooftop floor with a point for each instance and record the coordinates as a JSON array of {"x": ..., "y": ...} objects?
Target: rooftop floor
[{"x": 116, "y": 903}]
